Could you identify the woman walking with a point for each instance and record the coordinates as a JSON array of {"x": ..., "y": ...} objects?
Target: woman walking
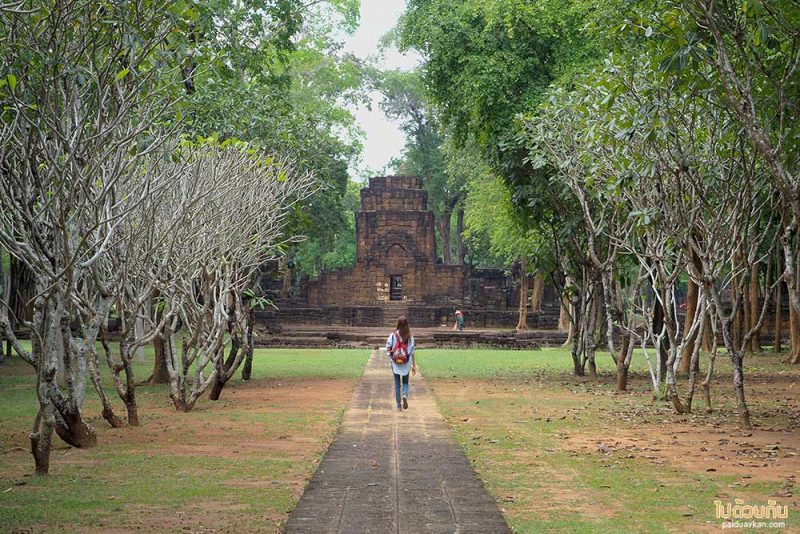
[{"x": 400, "y": 348}]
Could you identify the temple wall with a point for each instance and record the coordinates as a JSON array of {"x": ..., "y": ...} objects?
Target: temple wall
[
  {"x": 382, "y": 316},
  {"x": 396, "y": 239}
]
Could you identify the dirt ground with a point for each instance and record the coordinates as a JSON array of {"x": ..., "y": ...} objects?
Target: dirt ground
[
  {"x": 545, "y": 416},
  {"x": 286, "y": 422},
  {"x": 697, "y": 443}
]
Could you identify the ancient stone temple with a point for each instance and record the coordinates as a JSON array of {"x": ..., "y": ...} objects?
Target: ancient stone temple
[
  {"x": 397, "y": 272},
  {"x": 395, "y": 253}
]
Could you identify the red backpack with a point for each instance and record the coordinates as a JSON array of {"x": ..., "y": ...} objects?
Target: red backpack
[{"x": 399, "y": 350}]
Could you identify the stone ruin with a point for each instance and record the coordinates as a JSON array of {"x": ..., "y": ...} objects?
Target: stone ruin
[
  {"x": 397, "y": 272},
  {"x": 395, "y": 253}
]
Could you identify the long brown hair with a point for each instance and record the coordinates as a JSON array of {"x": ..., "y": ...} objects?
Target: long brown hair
[{"x": 403, "y": 328}]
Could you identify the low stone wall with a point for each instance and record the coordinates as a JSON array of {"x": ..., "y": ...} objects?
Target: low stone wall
[
  {"x": 335, "y": 339},
  {"x": 272, "y": 320},
  {"x": 418, "y": 315}
]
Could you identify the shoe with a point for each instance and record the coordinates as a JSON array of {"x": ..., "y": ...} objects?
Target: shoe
[
  {"x": 399, "y": 408},
  {"x": 405, "y": 402}
]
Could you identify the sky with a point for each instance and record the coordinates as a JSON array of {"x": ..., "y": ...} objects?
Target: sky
[{"x": 383, "y": 139}]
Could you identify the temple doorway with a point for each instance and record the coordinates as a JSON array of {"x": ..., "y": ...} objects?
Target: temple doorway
[{"x": 396, "y": 287}]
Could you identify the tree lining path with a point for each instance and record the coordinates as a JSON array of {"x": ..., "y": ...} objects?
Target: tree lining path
[{"x": 388, "y": 471}]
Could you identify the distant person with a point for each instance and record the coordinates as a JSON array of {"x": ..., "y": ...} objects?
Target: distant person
[
  {"x": 400, "y": 347},
  {"x": 459, "y": 325}
]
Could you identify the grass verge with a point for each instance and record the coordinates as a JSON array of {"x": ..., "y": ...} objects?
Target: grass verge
[
  {"x": 236, "y": 464},
  {"x": 563, "y": 454}
]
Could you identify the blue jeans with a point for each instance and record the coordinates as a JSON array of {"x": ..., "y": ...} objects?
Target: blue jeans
[{"x": 397, "y": 379}]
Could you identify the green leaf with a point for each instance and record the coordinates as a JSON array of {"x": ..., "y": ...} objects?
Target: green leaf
[
  {"x": 12, "y": 81},
  {"x": 121, "y": 74}
]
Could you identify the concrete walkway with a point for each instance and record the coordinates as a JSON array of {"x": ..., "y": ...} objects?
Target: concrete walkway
[{"x": 390, "y": 471}]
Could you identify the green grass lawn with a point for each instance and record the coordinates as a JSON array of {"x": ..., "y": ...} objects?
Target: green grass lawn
[
  {"x": 535, "y": 433},
  {"x": 486, "y": 363},
  {"x": 18, "y": 399},
  {"x": 236, "y": 462}
]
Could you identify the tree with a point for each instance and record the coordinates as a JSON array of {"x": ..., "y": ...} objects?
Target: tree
[
  {"x": 590, "y": 165},
  {"x": 84, "y": 100},
  {"x": 231, "y": 204},
  {"x": 272, "y": 74},
  {"x": 424, "y": 153},
  {"x": 673, "y": 165},
  {"x": 753, "y": 49},
  {"x": 488, "y": 62},
  {"x": 489, "y": 211}
]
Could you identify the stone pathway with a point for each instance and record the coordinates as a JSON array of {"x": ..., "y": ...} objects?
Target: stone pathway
[{"x": 390, "y": 471}]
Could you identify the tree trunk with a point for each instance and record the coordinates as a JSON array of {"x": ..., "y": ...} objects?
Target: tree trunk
[
  {"x": 672, "y": 391},
  {"x": 461, "y": 250},
  {"x": 216, "y": 389},
  {"x": 247, "y": 367},
  {"x": 777, "y": 328},
  {"x": 41, "y": 441},
  {"x": 522, "y": 324},
  {"x": 576, "y": 359},
  {"x": 739, "y": 319},
  {"x": 795, "y": 358},
  {"x": 108, "y": 410},
  {"x": 564, "y": 324},
  {"x": 658, "y": 326},
  {"x": 284, "y": 265},
  {"x": 793, "y": 333},
  {"x": 622, "y": 367},
  {"x": 691, "y": 310},
  {"x": 707, "y": 382},
  {"x": 747, "y": 319},
  {"x": 592, "y": 368},
  {"x": 695, "y": 366},
  {"x": 589, "y": 333},
  {"x": 19, "y": 293},
  {"x": 444, "y": 235},
  {"x": 738, "y": 385},
  {"x": 794, "y": 326},
  {"x": 224, "y": 369},
  {"x": 160, "y": 371},
  {"x": 130, "y": 394},
  {"x": 574, "y": 326},
  {"x": 736, "y": 356},
  {"x": 70, "y": 424},
  {"x": 708, "y": 341},
  {"x": 538, "y": 292},
  {"x": 755, "y": 310},
  {"x": 71, "y": 428}
]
